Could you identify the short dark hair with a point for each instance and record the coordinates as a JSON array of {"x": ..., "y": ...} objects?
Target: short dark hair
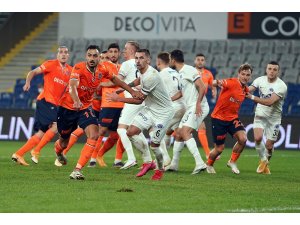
[
  {"x": 164, "y": 56},
  {"x": 144, "y": 50},
  {"x": 103, "y": 52},
  {"x": 274, "y": 63},
  {"x": 245, "y": 66},
  {"x": 114, "y": 45},
  {"x": 93, "y": 47},
  {"x": 200, "y": 55},
  {"x": 177, "y": 55},
  {"x": 134, "y": 44}
]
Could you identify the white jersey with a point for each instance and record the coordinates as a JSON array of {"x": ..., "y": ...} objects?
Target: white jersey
[
  {"x": 158, "y": 100},
  {"x": 189, "y": 75},
  {"x": 266, "y": 89},
  {"x": 129, "y": 71},
  {"x": 171, "y": 79}
]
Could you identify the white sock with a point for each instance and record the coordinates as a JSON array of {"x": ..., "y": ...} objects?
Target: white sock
[
  {"x": 167, "y": 139},
  {"x": 192, "y": 146},
  {"x": 163, "y": 149},
  {"x": 178, "y": 146},
  {"x": 140, "y": 142},
  {"x": 117, "y": 161},
  {"x": 260, "y": 148},
  {"x": 92, "y": 160},
  {"x": 126, "y": 143},
  {"x": 268, "y": 154},
  {"x": 159, "y": 157}
]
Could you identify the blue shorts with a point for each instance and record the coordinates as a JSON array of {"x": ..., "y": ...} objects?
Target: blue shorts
[
  {"x": 220, "y": 128},
  {"x": 45, "y": 115},
  {"x": 68, "y": 120},
  {"x": 109, "y": 117}
]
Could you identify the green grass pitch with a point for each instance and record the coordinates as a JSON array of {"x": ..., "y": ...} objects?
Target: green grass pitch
[{"x": 46, "y": 188}]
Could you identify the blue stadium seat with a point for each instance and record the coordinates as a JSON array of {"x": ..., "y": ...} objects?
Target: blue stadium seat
[
  {"x": 6, "y": 100},
  {"x": 22, "y": 101},
  {"x": 247, "y": 108}
]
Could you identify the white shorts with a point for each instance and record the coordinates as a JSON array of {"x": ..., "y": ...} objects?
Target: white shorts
[
  {"x": 175, "y": 121},
  {"x": 145, "y": 120},
  {"x": 190, "y": 119},
  {"x": 129, "y": 112},
  {"x": 269, "y": 125}
]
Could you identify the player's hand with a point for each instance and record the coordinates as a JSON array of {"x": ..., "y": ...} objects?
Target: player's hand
[
  {"x": 26, "y": 87},
  {"x": 138, "y": 95},
  {"x": 248, "y": 95},
  {"x": 119, "y": 90},
  {"x": 198, "y": 111},
  {"x": 77, "y": 105},
  {"x": 112, "y": 97}
]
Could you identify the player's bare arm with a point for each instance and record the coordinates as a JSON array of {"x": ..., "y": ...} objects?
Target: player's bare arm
[
  {"x": 74, "y": 94},
  {"x": 114, "y": 97},
  {"x": 29, "y": 77},
  {"x": 122, "y": 84},
  {"x": 177, "y": 96},
  {"x": 264, "y": 101},
  {"x": 201, "y": 90}
]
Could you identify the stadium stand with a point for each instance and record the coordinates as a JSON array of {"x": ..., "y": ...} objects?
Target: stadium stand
[{"x": 223, "y": 59}]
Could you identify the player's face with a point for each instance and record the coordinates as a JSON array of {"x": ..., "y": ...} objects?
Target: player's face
[
  {"x": 172, "y": 64},
  {"x": 141, "y": 60},
  {"x": 63, "y": 55},
  {"x": 127, "y": 51},
  {"x": 92, "y": 57},
  {"x": 113, "y": 54},
  {"x": 244, "y": 76},
  {"x": 272, "y": 71},
  {"x": 104, "y": 57},
  {"x": 199, "y": 62}
]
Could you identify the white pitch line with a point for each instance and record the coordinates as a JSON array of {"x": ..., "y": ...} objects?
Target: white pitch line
[{"x": 257, "y": 210}]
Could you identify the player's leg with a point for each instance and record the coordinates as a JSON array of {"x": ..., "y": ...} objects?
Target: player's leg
[
  {"x": 89, "y": 123},
  {"x": 203, "y": 138}
]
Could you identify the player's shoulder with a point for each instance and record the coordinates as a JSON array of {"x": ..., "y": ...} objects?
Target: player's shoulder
[
  {"x": 79, "y": 66},
  {"x": 281, "y": 83}
]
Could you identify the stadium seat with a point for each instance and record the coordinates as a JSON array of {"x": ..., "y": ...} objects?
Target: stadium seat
[
  {"x": 22, "y": 101},
  {"x": 291, "y": 75},
  {"x": 143, "y": 43},
  {"x": 236, "y": 60},
  {"x": 202, "y": 46},
  {"x": 234, "y": 46},
  {"x": 295, "y": 47},
  {"x": 254, "y": 59},
  {"x": 247, "y": 108},
  {"x": 265, "y": 46},
  {"x": 171, "y": 44},
  {"x": 287, "y": 61},
  {"x": 220, "y": 60},
  {"x": 282, "y": 46},
  {"x": 187, "y": 46},
  {"x": 156, "y": 45},
  {"x": 249, "y": 46},
  {"x": 80, "y": 45},
  {"x": 223, "y": 73},
  {"x": 6, "y": 100},
  {"x": 68, "y": 42},
  {"x": 218, "y": 47},
  {"x": 189, "y": 58},
  {"x": 97, "y": 41},
  {"x": 269, "y": 57},
  {"x": 258, "y": 72}
]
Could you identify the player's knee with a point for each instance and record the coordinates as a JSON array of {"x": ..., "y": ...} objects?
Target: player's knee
[{"x": 242, "y": 140}]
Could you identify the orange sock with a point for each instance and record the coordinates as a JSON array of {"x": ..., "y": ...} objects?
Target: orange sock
[
  {"x": 210, "y": 162},
  {"x": 74, "y": 138},
  {"x": 97, "y": 148},
  {"x": 30, "y": 144},
  {"x": 119, "y": 150},
  {"x": 109, "y": 143},
  {"x": 234, "y": 156},
  {"x": 86, "y": 153},
  {"x": 203, "y": 140},
  {"x": 57, "y": 147},
  {"x": 45, "y": 140}
]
